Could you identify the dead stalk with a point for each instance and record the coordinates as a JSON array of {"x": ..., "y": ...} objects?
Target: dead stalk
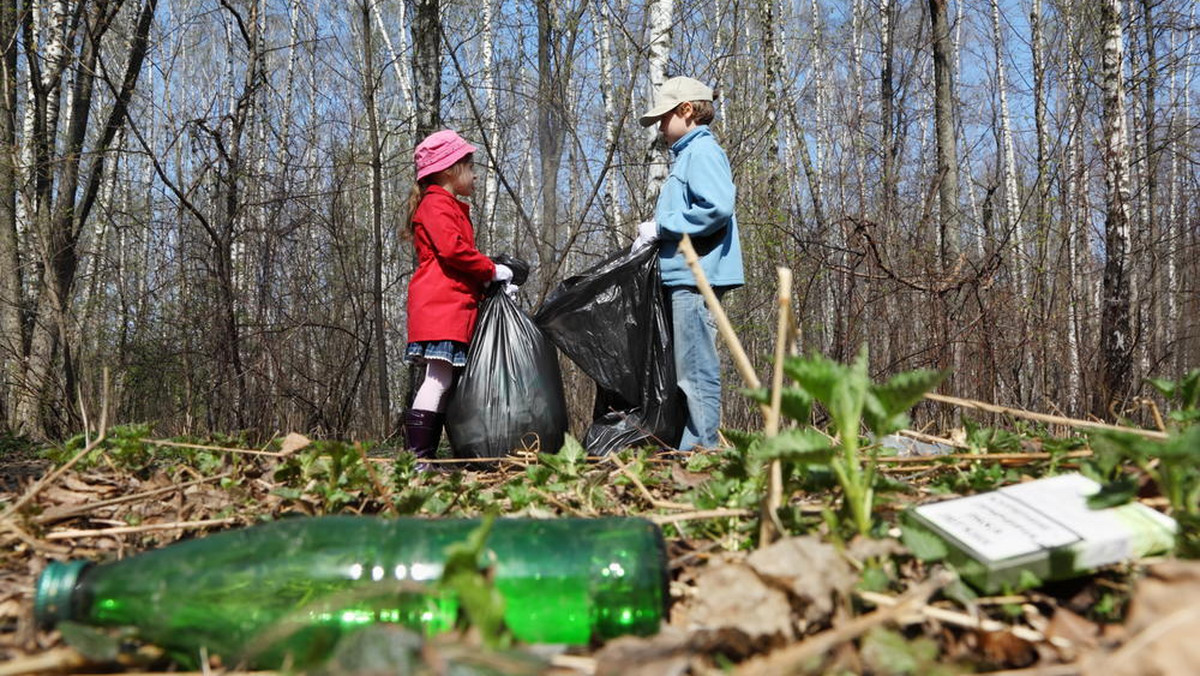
[
  {"x": 1042, "y": 417},
  {"x": 127, "y": 530},
  {"x": 769, "y": 527}
]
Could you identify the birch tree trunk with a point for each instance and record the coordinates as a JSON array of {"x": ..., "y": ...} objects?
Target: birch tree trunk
[
  {"x": 550, "y": 119},
  {"x": 607, "y": 61},
  {"x": 427, "y": 66},
  {"x": 491, "y": 183},
  {"x": 1116, "y": 341},
  {"x": 1150, "y": 314},
  {"x": 661, "y": 13},
  {"x": 370, "y": 86},
  {"x": 888, "y": 141},
  {"x": 12, "y": 335},
  {"x": 947, "y": 152}
]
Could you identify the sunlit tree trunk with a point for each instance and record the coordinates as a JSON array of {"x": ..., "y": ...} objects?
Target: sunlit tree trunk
[
  {"x": 12, "y": 342},
  {"x": 660, "y": 12},
  {"x": 1116, "y": 341},
  {"x": 427, "y": 66},
  {"x": 947, "y": 151},
  {"x": 888, "y": 143},
  {"x": 370, "y": 86}
]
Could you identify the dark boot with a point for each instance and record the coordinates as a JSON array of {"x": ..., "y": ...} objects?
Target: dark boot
[{"x": 422, "y": 433}]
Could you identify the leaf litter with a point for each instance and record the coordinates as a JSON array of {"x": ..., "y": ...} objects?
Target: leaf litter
[{"x": 810, "y": 603}]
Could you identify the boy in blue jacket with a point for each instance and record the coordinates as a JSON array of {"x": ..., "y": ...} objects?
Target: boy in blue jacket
[{"x": 697, "y": 200}]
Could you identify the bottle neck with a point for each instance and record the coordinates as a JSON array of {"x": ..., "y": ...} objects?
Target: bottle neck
[{"x": 52, "y": 601}]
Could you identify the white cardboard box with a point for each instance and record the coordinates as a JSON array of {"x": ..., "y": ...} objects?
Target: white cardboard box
[{"x": 1044, "y": 527}]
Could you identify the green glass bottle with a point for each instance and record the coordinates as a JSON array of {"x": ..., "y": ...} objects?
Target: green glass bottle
[{"x": 284, "y": 592}]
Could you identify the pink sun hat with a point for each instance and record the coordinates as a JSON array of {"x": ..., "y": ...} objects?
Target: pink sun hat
[{"x": 440, "y": 150}]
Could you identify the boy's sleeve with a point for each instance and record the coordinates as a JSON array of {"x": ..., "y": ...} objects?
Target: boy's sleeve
[
  {"x": 709, "y": 200},
  {"x": 450, "y": 244}
]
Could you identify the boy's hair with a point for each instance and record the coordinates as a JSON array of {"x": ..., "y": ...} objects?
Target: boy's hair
[
  {"x": 703, "y": 111},
  {"x": 417, "y": 193}
]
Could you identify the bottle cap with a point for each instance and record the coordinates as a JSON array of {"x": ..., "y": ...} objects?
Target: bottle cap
[{"x": 52, "y": 602}]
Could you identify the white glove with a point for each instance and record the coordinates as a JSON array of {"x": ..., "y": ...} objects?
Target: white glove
[
  {"x": 647, "y": 234},
  {"x": 511, "y": 290},
  {"x": 503, "y": 273}
]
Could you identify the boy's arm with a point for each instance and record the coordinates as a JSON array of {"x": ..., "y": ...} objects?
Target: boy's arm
[{"x": 709, "y": 201}]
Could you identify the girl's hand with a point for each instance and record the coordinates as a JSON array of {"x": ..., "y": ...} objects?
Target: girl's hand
[{"x": 503, "y": 273}]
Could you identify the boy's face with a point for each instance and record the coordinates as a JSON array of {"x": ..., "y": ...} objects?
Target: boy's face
[{"x": 677, "y": 123}]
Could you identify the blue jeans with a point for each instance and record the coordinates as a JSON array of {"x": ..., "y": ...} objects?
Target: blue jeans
[{"x": 697, "y": 366}]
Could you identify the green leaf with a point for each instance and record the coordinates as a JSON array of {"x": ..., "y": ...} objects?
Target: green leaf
[
  {"x": 745, "y": 442},
  {"x": 924, "y": 544},
  {"x": 816, "y": 374},
  {"x": 1119, "y": 492},
  {"x": 93, "y": 643},
  {"x": 888, "y": 404},
  {"x": 1166, "y": 387},
  {"x": 795, "y": 445},
  {"x": 794, "y": 402},
  {"x": 481, "y": 601}
]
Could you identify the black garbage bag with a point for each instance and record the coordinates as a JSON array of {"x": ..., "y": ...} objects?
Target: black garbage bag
[
  {"x": 612, "y": 322},
  {"x": 510, "y": 394}
]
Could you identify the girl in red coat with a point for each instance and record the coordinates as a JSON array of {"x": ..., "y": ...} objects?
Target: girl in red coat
[{"x": 448, "y": 284}]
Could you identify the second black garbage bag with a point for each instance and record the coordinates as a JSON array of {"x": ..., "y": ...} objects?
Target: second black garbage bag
[
  {"x": 612, "y": 322},
  {"x": 510, "y": 394}
]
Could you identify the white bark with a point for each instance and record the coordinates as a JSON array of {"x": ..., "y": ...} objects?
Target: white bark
[
  {"x": 491, "y": 183},
  {"x": 1012, "y": 220},
  {"x": 612, "y": 194},
  {"x": 661, "y": 12}
]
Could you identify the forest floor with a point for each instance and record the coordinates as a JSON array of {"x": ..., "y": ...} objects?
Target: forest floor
[{"x": 824, "y": 601}]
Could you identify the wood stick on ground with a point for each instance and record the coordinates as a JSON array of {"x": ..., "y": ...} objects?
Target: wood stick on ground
[
  {"x": 768, "y": 525},
  {"x": 654, "y": 502},
  {"x": 790, "y": 659},
  {"x": 126, "y": 530},
  {"x": 218, "y": 449},
  {"x": 1042, "y": 417},
  {"x": 664, "y": 519},
  {"x": 951, "y": 617}
]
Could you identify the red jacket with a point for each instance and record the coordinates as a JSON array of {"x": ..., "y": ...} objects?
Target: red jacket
[{"x": 444, "y": 294}]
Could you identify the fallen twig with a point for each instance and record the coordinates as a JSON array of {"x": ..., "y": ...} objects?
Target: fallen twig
[
  {"x": 953, "y": 617},
  {"x": 663, "y": 519},
  {"x": 126, "y": 530},
  {"x": 1042, "y": 417}
]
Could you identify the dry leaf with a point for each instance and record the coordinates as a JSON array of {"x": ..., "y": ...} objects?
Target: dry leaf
[
  {"x": 292, "y": 443},
  {"x": 732, "y": 597},
  {"x": 665, "y": 654},
  {"x": 1163, "y": 622},
  {"x": 811, "y": 570}
]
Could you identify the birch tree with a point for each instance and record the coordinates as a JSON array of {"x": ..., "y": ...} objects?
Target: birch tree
[
  {"x": 947, "y": 152},
  {"x": 427, "y": 66},
  {"x": 659, "y": 48},
  {"x": 1116, "y": 341}
]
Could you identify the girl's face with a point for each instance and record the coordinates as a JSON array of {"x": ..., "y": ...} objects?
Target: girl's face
[
  {"x": 677, "y": 123},
  {"x": 462, "y": 179}
]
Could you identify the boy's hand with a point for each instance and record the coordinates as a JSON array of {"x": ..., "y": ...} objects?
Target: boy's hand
[{"x": 647, "y": 234}]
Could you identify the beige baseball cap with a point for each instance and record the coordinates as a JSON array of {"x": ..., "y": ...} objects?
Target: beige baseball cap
[{"x": 674, "y": 92}]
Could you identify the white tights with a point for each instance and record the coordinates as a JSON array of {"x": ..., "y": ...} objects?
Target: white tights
[{"x": 439, "y": 375}]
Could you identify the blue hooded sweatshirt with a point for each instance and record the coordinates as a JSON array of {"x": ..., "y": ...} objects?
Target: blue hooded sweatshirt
[{"x": 697, "y": 200}]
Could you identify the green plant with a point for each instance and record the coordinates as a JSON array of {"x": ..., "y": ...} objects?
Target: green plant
[
  {"x": 1184, "y": 394},
  {"x": 852, "y": 401},
  {"x": 1172, "y": 464}
]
